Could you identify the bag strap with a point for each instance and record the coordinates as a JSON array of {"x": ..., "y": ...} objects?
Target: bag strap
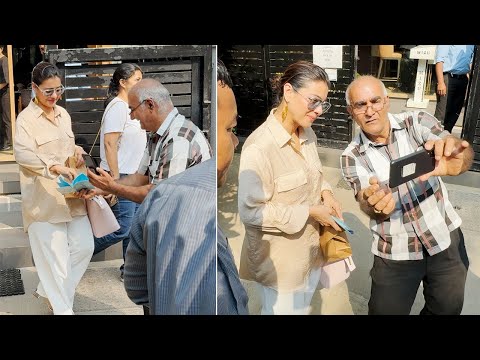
[{"x": 101, "y": 124}]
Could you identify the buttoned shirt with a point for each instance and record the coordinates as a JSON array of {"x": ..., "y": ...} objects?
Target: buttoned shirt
[
  {"x": 456, "y": 58},
  {"x": 40, "y": 144},
  {"x": 423, "y": 214},
  {"x": 177, "y": 145},
  {"x": 277, "y": 185},
  {"x": 170, "y": 260}
]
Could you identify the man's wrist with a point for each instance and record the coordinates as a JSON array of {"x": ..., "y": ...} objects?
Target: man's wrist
[{"x": 114, "y": 187}]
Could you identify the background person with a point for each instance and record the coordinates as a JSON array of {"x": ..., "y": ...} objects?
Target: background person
[
  {"x": 452, "y": 66},
  {"x": 122, "y": 144},
  {"x": 5, "y": 121}
]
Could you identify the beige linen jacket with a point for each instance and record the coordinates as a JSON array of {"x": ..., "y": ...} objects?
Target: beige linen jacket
[
  {"x": 40, "y": 144},
  {"x": 277, "y": 186}
]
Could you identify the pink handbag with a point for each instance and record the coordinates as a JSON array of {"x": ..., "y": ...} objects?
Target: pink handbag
[
  {"x": 101, "y": 217},
  {"x": 336, "y": 272}
]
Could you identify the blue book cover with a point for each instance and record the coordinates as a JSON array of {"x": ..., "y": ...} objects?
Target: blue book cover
[
  {"x": 80, "y": 182},
  {"x": 342, "y": 225}
]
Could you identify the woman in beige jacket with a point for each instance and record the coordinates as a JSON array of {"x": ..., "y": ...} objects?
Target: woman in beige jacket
[
  {"x": 283, "y": 197},
  {"x": 60, "y": 234}
]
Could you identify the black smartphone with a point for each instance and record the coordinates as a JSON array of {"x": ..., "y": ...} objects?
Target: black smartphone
[
  {"x": 90, "y": 163},
  {"x": 411, "y": 166}
]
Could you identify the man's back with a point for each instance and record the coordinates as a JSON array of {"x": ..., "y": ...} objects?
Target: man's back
[
  {"x": 176, "y": 222},
  {"x": 232, "y": 298}
]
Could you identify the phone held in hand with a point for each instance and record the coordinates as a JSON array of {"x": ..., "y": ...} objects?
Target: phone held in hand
[
  {"x": 91, "y": 163},
  {"x": 411, "y": 166}
]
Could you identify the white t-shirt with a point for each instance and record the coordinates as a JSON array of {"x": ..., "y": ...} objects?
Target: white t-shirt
[{"x": 132, "y": 142}]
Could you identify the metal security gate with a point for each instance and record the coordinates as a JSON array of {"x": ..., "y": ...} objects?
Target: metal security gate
[
  {"x": 471, "y": 122},
  {"x": 185, "y": 70},
  {"x": 252, "y": 68}
]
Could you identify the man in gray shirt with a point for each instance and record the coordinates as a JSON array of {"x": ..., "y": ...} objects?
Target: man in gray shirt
[
  {"x": 170, "y": 259},
  {"x": 231, "y": 296}
]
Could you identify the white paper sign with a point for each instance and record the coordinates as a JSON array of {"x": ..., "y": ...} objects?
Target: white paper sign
[
  {"x": 328, "y": 56},
  {"x": 332, "y": 74}
]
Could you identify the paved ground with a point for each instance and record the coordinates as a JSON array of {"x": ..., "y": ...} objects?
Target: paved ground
[
  {"x": 351, "y": 296},
  {"x": 100, "y": 292}
]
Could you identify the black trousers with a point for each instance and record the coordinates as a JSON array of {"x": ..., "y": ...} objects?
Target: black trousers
[
  {"x": 5, "y": 123},
  {"x": 449, "y": 107},
  {"x": 395, "y": 282}
]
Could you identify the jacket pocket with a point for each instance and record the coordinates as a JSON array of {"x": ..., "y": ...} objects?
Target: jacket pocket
[
  {"x": 291, "y": 181},
  {"x": 44, "y": 139},
  {"x": 70, "y": 133}
]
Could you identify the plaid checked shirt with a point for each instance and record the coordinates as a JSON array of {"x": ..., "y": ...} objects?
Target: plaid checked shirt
[
  {"x": 423, "y": 215},
  {"x": 177, "y": 145}
]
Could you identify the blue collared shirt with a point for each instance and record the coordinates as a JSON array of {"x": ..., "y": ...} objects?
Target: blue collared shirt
[
  {"x": 170, "y": 259},
  {"x": 456, "y": 58},
  {"x": 232, "y": 298}
]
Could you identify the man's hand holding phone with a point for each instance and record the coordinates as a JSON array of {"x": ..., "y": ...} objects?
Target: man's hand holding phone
[
  {"x": 90, "y": 162},
  {"x": 102, "y": 181},
  {"x": 452, "y": 156}
]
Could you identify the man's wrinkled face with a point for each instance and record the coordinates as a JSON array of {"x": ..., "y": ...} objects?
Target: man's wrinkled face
[{"x": 369, "y": 107}]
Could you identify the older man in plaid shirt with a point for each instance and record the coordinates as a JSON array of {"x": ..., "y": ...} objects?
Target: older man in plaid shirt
[
  {"x": 175, "y": 144},
  {"x": 416, "y": 231}
]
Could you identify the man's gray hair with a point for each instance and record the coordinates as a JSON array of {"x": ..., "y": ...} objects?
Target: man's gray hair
[
  {"x": 347, "y": 92},
  {"x": 153, "y": 89}
]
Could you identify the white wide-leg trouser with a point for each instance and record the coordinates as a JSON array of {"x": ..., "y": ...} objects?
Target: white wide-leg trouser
[
  {"x": 293, "y": 302},
  {"x": 62, "y": 253}
]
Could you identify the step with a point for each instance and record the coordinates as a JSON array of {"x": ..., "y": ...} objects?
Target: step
[
  {"x": 14, "y": 249},
  {"x": 9, "y": 187},
  {"x": 11, "y": 202},
  {"x": 12, "y": 219},
  {"x": 9, "y": 178}
]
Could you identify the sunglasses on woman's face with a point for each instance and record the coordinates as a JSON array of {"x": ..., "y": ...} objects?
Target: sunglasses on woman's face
[
  {"x": 49, "y": 92},
  {"x": 312, "y": 104}
]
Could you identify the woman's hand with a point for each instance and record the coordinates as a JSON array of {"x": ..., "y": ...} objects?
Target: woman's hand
[
  {"x": 323, "y": 214},
  {"x": 330, "y": 201},
  {"x": 78, "y": 155},
  {"x": 65, "y": 171}
]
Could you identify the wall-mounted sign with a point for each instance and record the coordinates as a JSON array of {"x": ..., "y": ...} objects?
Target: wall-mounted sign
[
  {"x": 328, "y": 56},
  {"x": 332, "y": 74}
]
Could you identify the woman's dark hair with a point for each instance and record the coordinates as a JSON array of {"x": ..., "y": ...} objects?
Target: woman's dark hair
[
  {"x": 298, "y": 74},
  {"x": 124, "y": 71},
  {"x": 43, "y": 71},
  {"x": 222, "y": 74}
]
